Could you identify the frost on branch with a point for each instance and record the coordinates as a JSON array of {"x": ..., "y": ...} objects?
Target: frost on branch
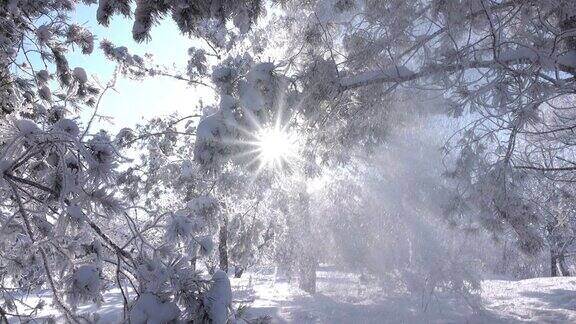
[
  {"x": 81, "y": 37},
  {"x": 44, "y": 35},
  {"x": 197, "y": 65},
  {"x": 255, "y": 91},
  {"x": 103, "y": 156},
  {"x": 108, "y": 8},
  {"x": 131, "y": 65},
  {"x": 67, "y": 126},
  {"x": 190, "y": 16},
  {"x": 75, "y": 215},
  {"x": 209, "y": 149}
]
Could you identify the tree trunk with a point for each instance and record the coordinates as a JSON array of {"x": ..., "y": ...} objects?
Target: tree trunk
[
  {"x": 193, "y": 263},
  {"x": 562, "y": 265},
  {"x": 553, "y": 267},
  {"x": 308, "y": 261},
  {"x": 223, "y": 245},
  {"x": 238, "y": 271},
  {"x": 567, "y": 20},
  {"x": 307, "y": 274}
]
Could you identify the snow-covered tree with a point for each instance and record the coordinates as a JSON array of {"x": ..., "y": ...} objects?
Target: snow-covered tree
[
  {"x": 78, "y": 215},
  {"x": 65, "y": 225},
  {"x": 503, "y": 67}
]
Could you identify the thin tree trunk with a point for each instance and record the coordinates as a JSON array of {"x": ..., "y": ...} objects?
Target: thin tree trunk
[
  {"x": 308, "y": 261},
  {"x": 193, "y": 264},
  {"x": 307, "y": 274},
  {"x": 223, "y": 245},
  {"x": 562, "y": 265},
  {"x": 567, "y": 20},
  {"x": 553, "y": 267},
  {"x": 238, "y": 271}
]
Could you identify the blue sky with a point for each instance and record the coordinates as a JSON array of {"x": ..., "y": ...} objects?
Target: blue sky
[{"x": 138, "y": 100}]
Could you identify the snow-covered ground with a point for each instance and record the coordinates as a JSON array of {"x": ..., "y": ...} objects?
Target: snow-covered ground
[
  {"x": 346, "y": 298},
  {"x": 110, "y": 311},
  {"x": 343, "y": 298},
  {"x": 541, "y": 300}
]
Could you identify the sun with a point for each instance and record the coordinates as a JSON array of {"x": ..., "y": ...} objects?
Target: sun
[{"x": 275, "y": 147}]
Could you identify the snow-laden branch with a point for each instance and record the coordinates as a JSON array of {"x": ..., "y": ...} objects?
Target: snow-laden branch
[
  {"x": 403, "y": 74},
  {"x": 398, "y": 74}
]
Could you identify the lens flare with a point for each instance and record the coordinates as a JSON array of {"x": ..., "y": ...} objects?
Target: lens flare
[{"x": 275, "y": 147}]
